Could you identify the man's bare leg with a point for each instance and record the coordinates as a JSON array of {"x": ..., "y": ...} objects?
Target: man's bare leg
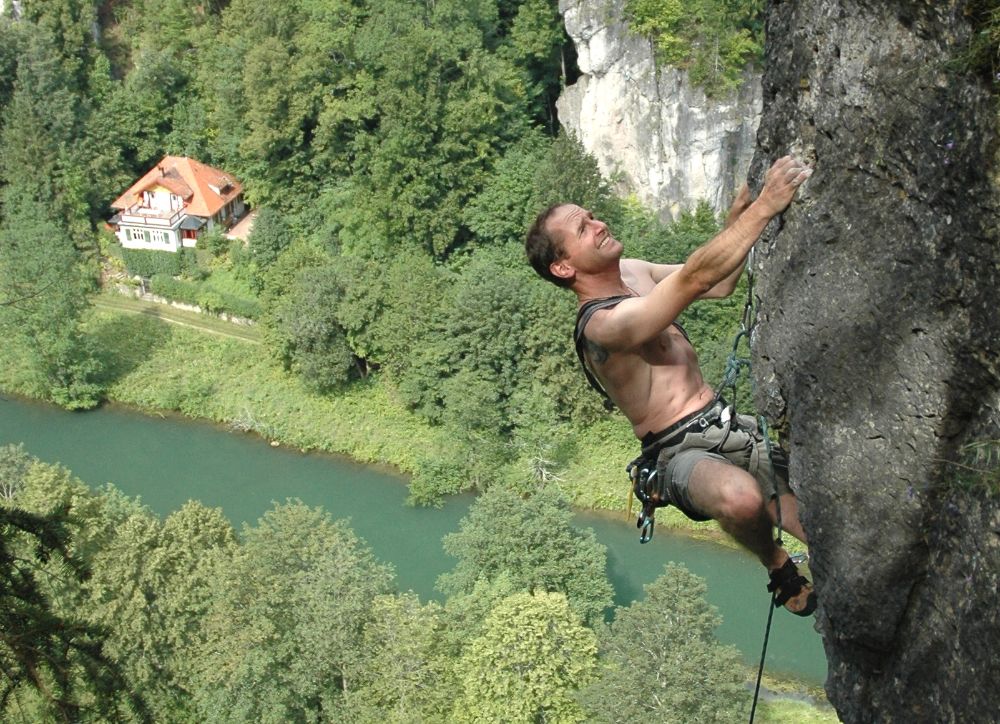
[
  {"x": 732, "y": 497},
  {"x": 789, "y": 516}
]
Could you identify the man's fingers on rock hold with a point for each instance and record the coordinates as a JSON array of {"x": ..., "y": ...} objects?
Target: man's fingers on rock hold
[{"x": 797, "y": 173}]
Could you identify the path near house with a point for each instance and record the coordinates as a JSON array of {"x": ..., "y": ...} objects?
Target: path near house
[{"x": 212, "y": 325}]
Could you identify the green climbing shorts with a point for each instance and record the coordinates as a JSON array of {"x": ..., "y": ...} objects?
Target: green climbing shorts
[{"x": 736, "y": 440}]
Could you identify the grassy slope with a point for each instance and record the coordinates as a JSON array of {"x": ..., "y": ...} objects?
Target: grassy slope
[
  {"x": 175, "y": 368},
  {"x": 177, "y": 316}
]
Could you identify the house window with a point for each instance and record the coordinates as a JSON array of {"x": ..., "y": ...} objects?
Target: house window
[
  {"x": 137, "y": 235},
  {"x": 159, "y": 237}
]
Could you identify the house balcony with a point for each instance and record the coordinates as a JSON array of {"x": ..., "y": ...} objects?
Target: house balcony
[{"x": 145, "y": 216}]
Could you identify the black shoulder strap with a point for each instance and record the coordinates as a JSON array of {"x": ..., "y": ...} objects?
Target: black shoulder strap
[{"x": 582, "y": 317}]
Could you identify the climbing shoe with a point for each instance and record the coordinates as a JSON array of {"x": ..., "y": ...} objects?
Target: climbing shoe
[{"x": 788, "y": 585}]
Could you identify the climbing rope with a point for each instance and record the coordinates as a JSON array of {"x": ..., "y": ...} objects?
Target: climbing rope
[
  {"x": 774, "y": 593},
  {"x": 763, "y": 654},
  {"x": 735, "y": 364}
]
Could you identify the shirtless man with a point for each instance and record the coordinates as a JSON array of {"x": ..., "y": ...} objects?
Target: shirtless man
[{"x": 710, "y": 463}]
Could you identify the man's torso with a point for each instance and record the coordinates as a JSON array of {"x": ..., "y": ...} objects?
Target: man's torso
[{"x": 655, "y": 383}]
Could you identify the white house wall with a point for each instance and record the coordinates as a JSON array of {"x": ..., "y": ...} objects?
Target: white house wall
[
  {"x": 159, "y": 239},
  {"x": 162, "y": 201}
]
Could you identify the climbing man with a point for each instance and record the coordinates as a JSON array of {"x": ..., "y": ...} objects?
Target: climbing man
[{"x": 709, "y": 462}]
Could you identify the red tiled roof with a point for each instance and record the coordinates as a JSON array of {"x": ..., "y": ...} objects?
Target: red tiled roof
[
  {"x": 204, "y": 189},
  {"x": 171, "y": 181}
]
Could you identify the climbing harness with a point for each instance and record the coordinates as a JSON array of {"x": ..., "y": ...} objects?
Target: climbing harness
[{"x": 642, "y": 470}]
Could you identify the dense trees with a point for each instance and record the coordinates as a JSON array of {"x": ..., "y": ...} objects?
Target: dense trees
[
  {"x": 532, "y": 655},
  {"x": 48, "y": 180},
  {"x": 109, "y": 611},
  {"x": 44, "y": 285},
  {"x": 396, "y": 151},
  {"x": 285, "y": 620},
  {"x": 531, "y": 543},
  {"x": 49, "y": 661},
  {"x": 687, "y": 675}
]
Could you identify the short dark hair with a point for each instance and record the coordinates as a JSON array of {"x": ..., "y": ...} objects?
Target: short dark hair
[{"x": 544, "y": 247}]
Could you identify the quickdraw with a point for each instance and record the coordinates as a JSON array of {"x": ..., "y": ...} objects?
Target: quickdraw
[{"x": 642, "y": 473}]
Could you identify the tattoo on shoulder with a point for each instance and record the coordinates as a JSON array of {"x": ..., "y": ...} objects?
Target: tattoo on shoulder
[{"x": 596, "y": 352}]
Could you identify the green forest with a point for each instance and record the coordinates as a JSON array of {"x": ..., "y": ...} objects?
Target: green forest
[
  {"x": 395, "y": 153},
  {"x": 110, "y": 613}
]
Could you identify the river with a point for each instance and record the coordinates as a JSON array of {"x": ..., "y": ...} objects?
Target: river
[{"x": 167, "y": 461}]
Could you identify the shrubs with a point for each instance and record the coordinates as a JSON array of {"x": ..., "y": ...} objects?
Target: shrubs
[
  {"x": 163, "y": 268},
  {"x": 148, "y": 263},
  {"x": 198, "y": 294},
  {"x": 178, "y": 290}
]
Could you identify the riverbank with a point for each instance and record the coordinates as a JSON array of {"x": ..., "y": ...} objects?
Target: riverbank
[{"x": 165, "y": 368}]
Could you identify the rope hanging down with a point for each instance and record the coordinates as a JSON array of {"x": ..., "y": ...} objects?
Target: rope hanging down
[{"x": 735, "y": 364}]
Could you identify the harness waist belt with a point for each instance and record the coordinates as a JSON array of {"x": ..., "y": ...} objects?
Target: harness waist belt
[{"x": 672, "y": 434}]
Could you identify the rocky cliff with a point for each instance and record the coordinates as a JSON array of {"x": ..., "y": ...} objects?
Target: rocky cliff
[
  {"x": 877, "y": 351},
  {"x": 657, "y": 136}
]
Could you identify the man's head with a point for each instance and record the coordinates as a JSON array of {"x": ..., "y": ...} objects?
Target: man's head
[
  {"x": 566, "y": 239},
  {"x": 544, "y": 247}
]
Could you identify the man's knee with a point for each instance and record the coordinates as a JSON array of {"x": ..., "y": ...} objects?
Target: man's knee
[
  {"x": 740, "y": 499},
  {"x": 725, "y": 492}
]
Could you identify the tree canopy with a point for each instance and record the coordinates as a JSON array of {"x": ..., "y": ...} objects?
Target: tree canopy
[{"x": 111, "y": 612}]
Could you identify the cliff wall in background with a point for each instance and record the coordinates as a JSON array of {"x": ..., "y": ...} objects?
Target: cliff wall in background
[{"x": 657, "y": 136}]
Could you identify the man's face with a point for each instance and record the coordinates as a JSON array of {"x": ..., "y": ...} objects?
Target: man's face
[{"x": 588, "y": 245}]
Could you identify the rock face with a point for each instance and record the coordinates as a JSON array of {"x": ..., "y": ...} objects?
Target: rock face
[
  {"x": 879, "y": 339},
  {"x": 660, "y": 138}
]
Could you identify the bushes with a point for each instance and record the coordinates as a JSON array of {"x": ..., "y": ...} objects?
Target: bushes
[
  {"x": 180, "y": 291},
  {"x": 148, "y": 263},
  {"x": 210, "y": 300}
]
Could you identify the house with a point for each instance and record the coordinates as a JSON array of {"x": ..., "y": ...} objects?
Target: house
[{"x": 176, "y": 202}]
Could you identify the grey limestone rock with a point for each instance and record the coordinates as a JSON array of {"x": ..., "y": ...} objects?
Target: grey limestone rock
[{"x": 879, "y": 340}]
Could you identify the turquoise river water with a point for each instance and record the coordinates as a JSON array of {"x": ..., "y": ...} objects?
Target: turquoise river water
[{"x": 167, "y": 461}]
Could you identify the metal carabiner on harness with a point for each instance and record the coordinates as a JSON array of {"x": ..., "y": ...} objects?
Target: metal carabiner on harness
[{"x": 641, "y": 477}]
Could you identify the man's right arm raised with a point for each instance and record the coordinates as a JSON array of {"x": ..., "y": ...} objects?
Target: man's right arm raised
[{"x": 637, "y": 320}]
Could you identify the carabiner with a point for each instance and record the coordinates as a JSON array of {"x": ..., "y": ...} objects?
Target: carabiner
[
  {"x": 645, "y": 521},
  {"x": 645, "y": 524}
]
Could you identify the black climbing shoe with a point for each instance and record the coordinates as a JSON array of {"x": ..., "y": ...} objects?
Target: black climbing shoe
[{"x": 786, "y": 584}]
